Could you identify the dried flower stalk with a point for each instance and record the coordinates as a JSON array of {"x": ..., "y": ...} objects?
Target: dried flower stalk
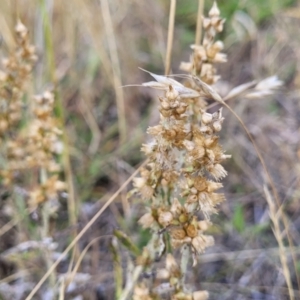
[
  {"x": 181, "y": 180},
  {"x": 36, "y": 144},
  {"x": 29, "y": 139},
  {"x": 18, "y": 67}
]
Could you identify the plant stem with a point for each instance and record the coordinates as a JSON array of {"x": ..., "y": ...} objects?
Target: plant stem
[
  {"x": 170, "y": 36},
  {"x": 199, "y": 22}
]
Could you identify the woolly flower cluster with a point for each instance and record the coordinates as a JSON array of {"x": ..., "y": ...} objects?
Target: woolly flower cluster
[
  {"x": 202, "y": 61},
  {"x": 182, "y": 177},
  {"x": 181, "y": 180},
  {"x": 13, "y": 80},
  {"x": 44, "y": 144},
  {"x": 184, "y": 168},
  {"x": 29, "y": 133},
  {"x": 172, "y": 273}
]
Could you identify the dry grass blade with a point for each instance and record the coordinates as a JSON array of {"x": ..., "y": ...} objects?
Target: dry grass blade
[
  {"x": 278, "y": 235},
  {"x": 82, "y": 254},
  {"x": 86, "y": 17},
  {"x": 9, "y": 225},
  {"x": 239, "y": 90},
  {"x": 108, "y": 25},
  {"x": 82, "y": 232},
  {"x": 15, "y": 276},
  {"x": 92, "y": 123}
]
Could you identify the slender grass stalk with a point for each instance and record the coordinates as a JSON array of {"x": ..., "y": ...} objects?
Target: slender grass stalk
[
  {"x": 93, "y": 125},
  {"x": 72, "y": 274},
  {"x": 61, "y": 295},
  {"x": 278, "y": 235},
  {"x": 199, "y": 22},
  {"x": 46, "y": 9},
  {"x": 86, "y": 14},
  {"x": 110, "y": 36},
  {"x": 170, "y": 36}
]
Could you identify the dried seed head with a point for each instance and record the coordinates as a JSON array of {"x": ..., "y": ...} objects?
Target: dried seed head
[
  {"x": 139, "y": 182},
  {"x": 165, "y": 105},
  {"x": 210, "y": 141},
  {"x": 206, "y": 23},
  {"x": 3, "y": 125},
  {"x": 194, "y": 191},
  {"x": 166, "y": 113},
  {"x": 183, "y": 218},
  {"x": 176, "y": 207},
  {"x": 200, "y": 295},
  {"x": 165, "y": 218},
  {"x": 220, "y": 58},
  {"x": 162, "y": 274},
  {"x": 181, "y": 109},
  {"x": 182, "y": 153},
  {"x": 199, "y": 244},
  {"x": 21, "y": 30},
  {"x": 141, "y": 292},
  {"x": 206, "y": 117},
  {"x": 172, "y": 266},
  {"x": 188, "y": 145},
  {"x": 213, "y": 186},
  {"x": 217, "y": 171},
  {"x": 172, "y": 93},
  {"x": 218, "y": 46},
  {"x": 177, "y": 233},
  {"x": 147, "y": 191},
  {"x": 146, "y": 220},
  {"x": 217, "y": 125},
  {"x": 200, "y": 184},
  {"x": 3, "y": 76},
  {"x": 204, "y": 225},
  {"x": 214, "y": 11},
  {"x": 155, "y": 130},
  {"x": 191, "y": 230},
  {"x": 182, "y": 296},
  {"x": 192, "y": 199}
]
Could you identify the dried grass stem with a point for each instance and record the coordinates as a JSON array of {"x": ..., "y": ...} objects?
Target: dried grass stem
[{"x": 170, "y": 36}]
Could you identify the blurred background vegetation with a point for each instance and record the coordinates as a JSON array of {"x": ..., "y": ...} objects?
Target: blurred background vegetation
[{"x": 86, "y": 61}]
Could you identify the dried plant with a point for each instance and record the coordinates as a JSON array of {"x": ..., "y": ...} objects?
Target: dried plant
[
  {"x": 182, "y": 177},
  {"x": 30, "y": 144},
  {"x": 181, "y": 180},
  {"x": 44, "y": 144},
  {"x": 209, "y": 52},
  {"x": 179, "y": 183},
  {"x": 13, "y": 80},
  {"x": 35, "y": 144}
]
